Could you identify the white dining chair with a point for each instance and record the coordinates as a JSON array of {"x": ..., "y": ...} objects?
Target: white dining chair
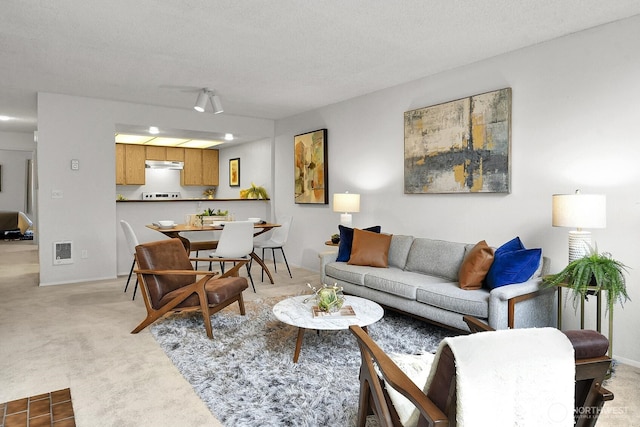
[
  {"x": 236, "y": 241},
  {"x": 277, "y": 241},
  {"x": 132, "y": 242}
]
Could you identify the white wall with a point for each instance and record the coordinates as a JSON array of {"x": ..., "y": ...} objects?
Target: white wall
[
  {"x": 83, "y": 128},
  {"x": 255, "y": 166},
  {"x": 575, "y": 125}
]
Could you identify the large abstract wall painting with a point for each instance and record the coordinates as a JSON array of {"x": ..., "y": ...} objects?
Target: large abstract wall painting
[
  {"x": 460, "y": 146},
  {"x": 310, "y": 167}
]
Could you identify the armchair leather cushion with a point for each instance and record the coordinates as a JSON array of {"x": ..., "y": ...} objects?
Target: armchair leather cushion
[
  {"x": 369, "y": 248},
  {"x": 475, "y": 266},
  {"x": 218, "y": 290},
  {"x": 346, "y": 241},
  {"x": 513, "y": 263}
]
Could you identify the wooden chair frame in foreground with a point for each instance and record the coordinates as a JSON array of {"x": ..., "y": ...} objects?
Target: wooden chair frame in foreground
[
  {"x": 199, "y": 287},
  {"x": 438, "y": 406}
]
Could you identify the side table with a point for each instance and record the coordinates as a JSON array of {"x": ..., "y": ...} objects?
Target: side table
[{"x": 598, "y": 294}]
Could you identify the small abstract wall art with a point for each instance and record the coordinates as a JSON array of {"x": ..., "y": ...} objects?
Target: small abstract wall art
[
  {"x": 234, "y": 172},
  {"x": 310, "y": 167},
  {"x": 461, "y": 146}
]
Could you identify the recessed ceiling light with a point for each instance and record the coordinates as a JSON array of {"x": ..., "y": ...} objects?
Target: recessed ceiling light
[
  {"x": 228, "y": 137},
  {"x": 5, "y": 118},
  {"x": 154, "y": 130}
]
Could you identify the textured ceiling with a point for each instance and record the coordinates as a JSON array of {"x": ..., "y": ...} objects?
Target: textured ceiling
[{"x": 269, "y": 59}]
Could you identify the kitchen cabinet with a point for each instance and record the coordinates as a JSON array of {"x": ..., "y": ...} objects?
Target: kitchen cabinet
[
  {"x": 200, "y": 167},
  {"x": 192, "y": 172},
  {"x": 210, "y": 171},
  {"x": 156, "y": 153},
  {"x": 130, "y": 164},
  {"x": 175, "y": 154}
]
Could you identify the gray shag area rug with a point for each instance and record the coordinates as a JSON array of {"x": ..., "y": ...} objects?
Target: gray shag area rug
[{"x": 246, "y": 375}]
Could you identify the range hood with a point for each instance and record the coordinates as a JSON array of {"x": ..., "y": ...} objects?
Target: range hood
[{"x": 163, "y": 164}]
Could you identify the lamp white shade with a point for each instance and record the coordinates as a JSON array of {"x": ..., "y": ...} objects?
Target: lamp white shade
[
  {"x": 346, "y": 202},
  {"x": 579, "y": 210}
]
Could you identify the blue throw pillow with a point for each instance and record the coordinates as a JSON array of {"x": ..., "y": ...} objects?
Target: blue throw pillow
[
  {"x": 346, "y": 241},
  {"x": 512, "y": 263}
]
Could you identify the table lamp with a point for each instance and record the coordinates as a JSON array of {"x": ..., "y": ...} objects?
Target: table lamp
[
  {"x": 579, "y": 211},
  {"x": 346, "y": 203}
]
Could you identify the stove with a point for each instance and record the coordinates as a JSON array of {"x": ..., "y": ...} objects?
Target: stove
[{"x": 161, "y": 196}]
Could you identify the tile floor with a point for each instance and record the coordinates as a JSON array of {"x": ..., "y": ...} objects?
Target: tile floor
[{"x": 49, "y": 409}]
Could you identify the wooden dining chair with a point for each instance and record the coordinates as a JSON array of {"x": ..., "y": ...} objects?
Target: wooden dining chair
[{"x": 169, "y": 284}]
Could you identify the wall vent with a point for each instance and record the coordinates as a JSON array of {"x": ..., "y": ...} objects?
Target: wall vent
[{"x": 62, "y": 253}]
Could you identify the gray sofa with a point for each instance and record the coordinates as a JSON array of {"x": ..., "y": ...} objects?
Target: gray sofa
[{"x": 421, "y": 280}]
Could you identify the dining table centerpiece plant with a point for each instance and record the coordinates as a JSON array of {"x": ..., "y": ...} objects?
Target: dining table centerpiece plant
[
  {"x": 592, "y": 273},
  {"x": 328, "y": 298}
]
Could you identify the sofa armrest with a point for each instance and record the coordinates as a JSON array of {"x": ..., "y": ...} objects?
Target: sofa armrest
[
  {"x": 528, "y": 303},
  {"x": 326, "y": 258}
]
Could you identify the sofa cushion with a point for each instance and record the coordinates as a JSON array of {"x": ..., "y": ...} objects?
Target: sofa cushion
[
  {"x": 399, "y": 250},
  {"x": 436, "y": 257},
  {"x": 449, "y": 296},
  {"x": 398, "y": 282},
  {"x": 475, "y": 266},
  {"x": 370, "y": 248},
  {"x": 513, "y": 264},
  {"x": 346, "y": 273},
  {"x": 346, "y": 241}
]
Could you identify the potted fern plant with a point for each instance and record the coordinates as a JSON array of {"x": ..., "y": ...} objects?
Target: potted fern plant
[{"x": 592, "y": 273}]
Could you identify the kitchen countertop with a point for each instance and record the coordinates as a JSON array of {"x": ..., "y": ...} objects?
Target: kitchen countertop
[{"x": 200, "y": 199}]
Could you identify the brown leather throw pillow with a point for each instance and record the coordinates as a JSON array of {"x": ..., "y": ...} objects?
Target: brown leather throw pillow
[
  {"x": 475, "y": 266},
  {"x": 370, "y": 249}
]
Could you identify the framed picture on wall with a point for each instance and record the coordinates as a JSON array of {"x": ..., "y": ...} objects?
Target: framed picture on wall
[
  {"x": 234, "y": 172},
  {"x": 310, "y": 167},
  {"x": 460, "y": 146}
]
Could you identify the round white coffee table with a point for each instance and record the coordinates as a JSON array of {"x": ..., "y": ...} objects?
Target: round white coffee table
[{"x": 295, "y": 312}]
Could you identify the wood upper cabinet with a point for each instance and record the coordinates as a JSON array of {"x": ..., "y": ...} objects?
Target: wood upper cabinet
[
  {"x": 210, "y": 168},
  {"x": 120, "y": 167},
  {"x": 192, "y": 172},
  {"x": 156, "y": 153},
  {"x": 200, "y": 167},
  {"x": 130, "y": 164},
  {"x": 175, "y": 154}
]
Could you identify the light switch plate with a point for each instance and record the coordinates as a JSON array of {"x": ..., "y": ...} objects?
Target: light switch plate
[{"x": 75, "y": 164}]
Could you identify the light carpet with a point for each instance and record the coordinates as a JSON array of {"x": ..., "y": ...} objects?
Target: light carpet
[{"x": 246, "y": 375}]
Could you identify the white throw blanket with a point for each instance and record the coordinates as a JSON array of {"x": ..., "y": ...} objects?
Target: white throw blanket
[{"x": 514, "y": 377}]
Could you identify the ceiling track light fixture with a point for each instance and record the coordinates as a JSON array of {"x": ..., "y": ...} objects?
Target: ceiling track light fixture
[{"x": 205, "y": 95}]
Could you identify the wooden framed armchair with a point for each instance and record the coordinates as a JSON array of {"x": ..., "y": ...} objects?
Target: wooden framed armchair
[
  {"x": 437, "y": 405},
  {"x": 169, "y": 283}
]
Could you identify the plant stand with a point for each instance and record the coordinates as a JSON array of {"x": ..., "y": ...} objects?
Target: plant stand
[{"x": 598, "y": 294}]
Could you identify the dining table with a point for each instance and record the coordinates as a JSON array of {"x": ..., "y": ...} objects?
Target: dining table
[{"x": 175, "y": 230}]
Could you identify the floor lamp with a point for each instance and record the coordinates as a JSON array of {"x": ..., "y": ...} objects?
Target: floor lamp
[
  {"x": 346, "y": 203},
  {"x": 579, "y": 211}
]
